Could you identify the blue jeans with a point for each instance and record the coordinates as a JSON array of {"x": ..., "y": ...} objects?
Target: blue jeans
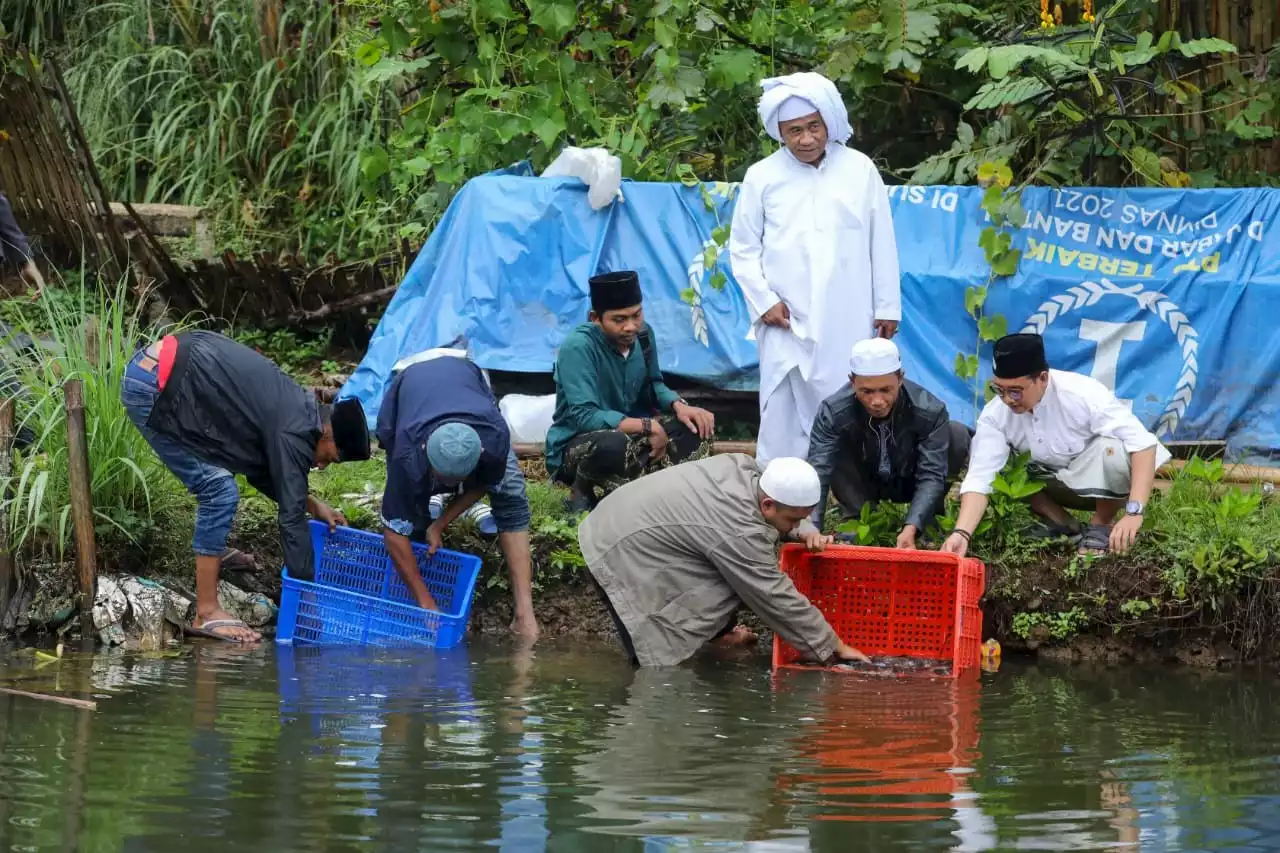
[
  {"x": 508, "y": 500},
  {"x": 215, "y": 488}
]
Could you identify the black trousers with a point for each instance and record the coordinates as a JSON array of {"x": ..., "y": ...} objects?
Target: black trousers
[
  {"x": 608, "y": 458},
  {"x": 854, "y": 481}
]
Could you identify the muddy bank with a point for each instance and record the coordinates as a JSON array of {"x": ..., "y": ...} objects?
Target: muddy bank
[
  {"x": 572, "y": 608},
  {"x": 1040, "y": 599}
]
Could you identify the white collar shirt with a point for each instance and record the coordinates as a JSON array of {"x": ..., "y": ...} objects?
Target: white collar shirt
[{"x": 1074, "y": 411}]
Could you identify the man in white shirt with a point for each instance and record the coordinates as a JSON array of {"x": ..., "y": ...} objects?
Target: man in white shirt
[
  {"x": 812, "y": 248},
  {"x": 1088, "y": 448}
]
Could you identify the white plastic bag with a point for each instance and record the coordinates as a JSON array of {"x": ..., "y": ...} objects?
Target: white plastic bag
[
  {"x": 528, "y": 417},
  {"x": 595, "y": 167}
]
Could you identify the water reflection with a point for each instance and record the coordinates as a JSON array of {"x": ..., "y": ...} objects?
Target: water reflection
[{"x": 567, "y": 749}]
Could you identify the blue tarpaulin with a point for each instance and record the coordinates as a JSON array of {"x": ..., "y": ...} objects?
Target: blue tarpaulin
[{"x": 1161, "y": 294}]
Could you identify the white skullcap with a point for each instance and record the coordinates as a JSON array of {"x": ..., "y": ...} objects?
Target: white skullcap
[
  {"x": 794, "y": 107},
  {"x": 791, "y": 482},
  {"x": 875, "y": 357}
]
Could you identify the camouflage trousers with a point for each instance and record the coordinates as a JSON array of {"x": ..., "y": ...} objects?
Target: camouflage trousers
[{"x": 601, "y": 461}]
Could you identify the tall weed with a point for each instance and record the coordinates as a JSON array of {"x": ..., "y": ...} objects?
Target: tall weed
[
  {"x": 261, "y": 121},
  {"x": 92, "y": 336}
]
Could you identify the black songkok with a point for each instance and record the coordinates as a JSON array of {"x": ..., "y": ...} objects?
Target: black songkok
[
  {"x": 350, "y": 430},
  {"x": 1015, "y": 356},
  {"x": 614, "y": 291}
]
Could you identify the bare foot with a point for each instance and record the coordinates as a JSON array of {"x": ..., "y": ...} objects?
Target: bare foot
[
  {"x": 741, "y": 635},
  {"x": 237, "y": 632},
  {"x": 526, "y": 628}
]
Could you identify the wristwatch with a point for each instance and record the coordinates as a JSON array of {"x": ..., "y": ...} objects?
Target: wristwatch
[
  {"x": 1134, "y": 508},
  {"x": 647, "y": 426}
]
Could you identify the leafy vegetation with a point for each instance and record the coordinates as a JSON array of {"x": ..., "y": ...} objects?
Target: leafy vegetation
[
  {"x": 1058, "y": 626},
  {"x": 325, "y": 126}
]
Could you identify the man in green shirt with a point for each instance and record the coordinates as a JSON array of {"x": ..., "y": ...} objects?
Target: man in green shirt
[{"x": 615, "y": 418}]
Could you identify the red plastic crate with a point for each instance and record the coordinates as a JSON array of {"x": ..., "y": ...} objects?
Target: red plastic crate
[{"x": 883, "y": 601}]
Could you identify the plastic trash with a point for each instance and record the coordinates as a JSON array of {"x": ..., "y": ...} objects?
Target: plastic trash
[
  {"x": 132, "y": 611},
  {"x": 252, "y": 608},
  {"x": 595, "y": 167},
  {"x": 990, "y": 653},
  {"x": 528, "y": 417}
]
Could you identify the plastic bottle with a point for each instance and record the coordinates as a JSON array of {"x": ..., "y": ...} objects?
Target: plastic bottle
[{"x": 990, "y": 655}]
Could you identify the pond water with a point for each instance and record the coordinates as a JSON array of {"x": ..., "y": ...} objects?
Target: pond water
[{"x": 566, "y": 748}]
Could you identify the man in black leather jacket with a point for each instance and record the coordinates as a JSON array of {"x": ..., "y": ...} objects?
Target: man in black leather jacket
[{"x": 885, "y": 438}]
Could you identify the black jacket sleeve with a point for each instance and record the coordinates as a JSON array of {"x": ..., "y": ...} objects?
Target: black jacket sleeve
[
  {"x": 824, "y": 443},
  {"x": 931, "y": 471},
  {"x": 289, "y": 458}
]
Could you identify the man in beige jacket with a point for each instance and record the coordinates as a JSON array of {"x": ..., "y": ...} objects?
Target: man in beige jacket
[{"x": 675, "y": 553}]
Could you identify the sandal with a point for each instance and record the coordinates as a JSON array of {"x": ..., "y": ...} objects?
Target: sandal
[
  {"x": 235, "y": 560},
  {"x": 1048, "y": 530},
  {"x": 209, "y": 630},
  {"x": 1096, "y": 540}
]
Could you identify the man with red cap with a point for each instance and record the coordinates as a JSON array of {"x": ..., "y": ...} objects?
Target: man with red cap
[{"x": 1087, "y": 447}]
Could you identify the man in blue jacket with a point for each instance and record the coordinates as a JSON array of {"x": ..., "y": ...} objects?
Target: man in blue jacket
[{"x": 440, "y": 427}]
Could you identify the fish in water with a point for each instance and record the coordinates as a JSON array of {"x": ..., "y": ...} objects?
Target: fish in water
[{"x": 890, "y": 666}]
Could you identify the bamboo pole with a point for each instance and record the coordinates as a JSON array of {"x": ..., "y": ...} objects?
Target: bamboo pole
[
  {"x": 1233, "y": 473},
  {"x": 1238, "y": 474},
  {"x": 6, "y": 467},
  {"x": 86, "y": 704},
  {"x": 81, "y": 502}
]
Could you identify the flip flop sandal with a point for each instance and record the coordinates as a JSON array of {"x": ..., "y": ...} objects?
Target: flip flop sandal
[
  {"x": 1096, "y": 540},
  {"x": 208, "y": 630},
  {"x": 1045, "y": 530},
  {"x": 233, "y": 559}
]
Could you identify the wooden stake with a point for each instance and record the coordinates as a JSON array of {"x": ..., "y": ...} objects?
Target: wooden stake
[
  {"x": 6, "y": 468},
  {"x": 81, "y": 502},
  {"x": 48, "y": 697}
]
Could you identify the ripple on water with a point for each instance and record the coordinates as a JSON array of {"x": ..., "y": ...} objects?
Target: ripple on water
[{"x": 295, "y": 749}]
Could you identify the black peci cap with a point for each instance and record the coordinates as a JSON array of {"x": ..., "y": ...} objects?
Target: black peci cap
[
  {"x": 350, "y": 430},
  {"x": 614, "y": 291},
  {"x": 1014, "y": 356}
]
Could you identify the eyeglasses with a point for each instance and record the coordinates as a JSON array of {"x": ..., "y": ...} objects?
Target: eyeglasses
[{"x": 1011, "y": 394}]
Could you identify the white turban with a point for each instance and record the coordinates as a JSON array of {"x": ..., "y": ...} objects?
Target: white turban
[
  {"x": 811, "y": 87},
  {"x": 875, "y": 357},
  {"x": 791, "y": 482}
]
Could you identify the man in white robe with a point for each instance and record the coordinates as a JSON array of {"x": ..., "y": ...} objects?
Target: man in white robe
[{"x": 812, "y": 247}]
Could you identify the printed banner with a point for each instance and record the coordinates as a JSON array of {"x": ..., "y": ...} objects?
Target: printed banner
[{"x": 1160, "y": 294}]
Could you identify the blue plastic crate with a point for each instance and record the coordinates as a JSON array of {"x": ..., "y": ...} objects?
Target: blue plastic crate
[
  {"x": 347, "y": 691},
  {"x": 357, "y": 599}
]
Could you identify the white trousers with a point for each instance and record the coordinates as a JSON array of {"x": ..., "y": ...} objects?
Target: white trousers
[{"x": 786, "y": 419}]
